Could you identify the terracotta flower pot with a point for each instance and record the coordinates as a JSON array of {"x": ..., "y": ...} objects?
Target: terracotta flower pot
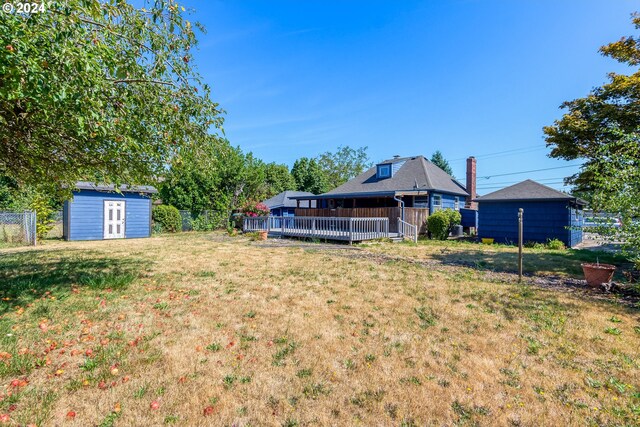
[
  {"x": 262, "y": 235},
  {"x": 598, "y": 274}
]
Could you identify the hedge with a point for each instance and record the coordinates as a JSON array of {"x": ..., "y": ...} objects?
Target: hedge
[{"x": 168, "y": 218}]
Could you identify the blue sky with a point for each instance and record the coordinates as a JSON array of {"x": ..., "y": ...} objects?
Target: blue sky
[{"x": 298, "y": 78}]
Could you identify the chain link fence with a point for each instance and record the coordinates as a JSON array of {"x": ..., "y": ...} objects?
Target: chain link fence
[
  {"x": 18, "y": 227},
  {"x": 187, "y": 220},
  {"x": 203, "y": 221},
  {"x": 56, "y": 226}
]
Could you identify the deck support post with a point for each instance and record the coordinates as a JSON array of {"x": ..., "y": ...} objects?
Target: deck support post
[
  {"x": 284, "y": 225},
  {"x": 350, "y": 231}
]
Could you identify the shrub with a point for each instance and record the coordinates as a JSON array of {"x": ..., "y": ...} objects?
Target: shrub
[
  {"x": 255, "y": 209},
  {"x": 168, "y": 217},
  {"x": 156, "y": 229},
  {"x": 556, "y": 244},
  {"x": 202, "y": 223},
  {"x": 236, "y": 220},
  {"x": 210, "y": 220},
  {"x": 438, "y": 225},
  {"x": 455, "y": 218},
  {"x": 44, "y": 211},
  {"x": 440, "y": 222}
]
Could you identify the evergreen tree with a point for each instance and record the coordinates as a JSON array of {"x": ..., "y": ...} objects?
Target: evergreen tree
[{"x": 438, "y": 159}]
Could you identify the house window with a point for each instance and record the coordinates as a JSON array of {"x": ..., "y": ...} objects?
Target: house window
[
  {"x": 437, "y": 202},
  {"x": 421, "y": 202},
  {"x": 384, "y": 171},
  {"x": 456, "y": 203}
]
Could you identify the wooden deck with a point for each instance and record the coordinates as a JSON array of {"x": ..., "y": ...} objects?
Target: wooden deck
[
  {"x": 343, "y": 229},
  {"x": 414, "y": 216}
]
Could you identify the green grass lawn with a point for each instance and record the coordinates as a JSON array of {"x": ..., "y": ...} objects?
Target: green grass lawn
[{"x": 205, "y": 329}]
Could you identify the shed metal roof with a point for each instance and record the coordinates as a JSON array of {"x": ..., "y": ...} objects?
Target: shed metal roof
[
  {"x": 528, "y": 190},
  {"x": 86, "y": 185}
]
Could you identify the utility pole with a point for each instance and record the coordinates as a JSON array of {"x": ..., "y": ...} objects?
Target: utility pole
[{"x": 520, "y": 243}]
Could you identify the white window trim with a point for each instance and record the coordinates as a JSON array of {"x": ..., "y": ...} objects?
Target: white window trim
[
  {"x": 385, "y": 167},
  {"x": 436, "y": 206},
  {"x": 456, "y": 203}
]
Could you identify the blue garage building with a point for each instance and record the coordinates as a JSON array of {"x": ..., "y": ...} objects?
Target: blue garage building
[
  {"x": 282, "y": 204},
  {"x": 548, "y": 214},
  {"x": 98, "y": 212}
]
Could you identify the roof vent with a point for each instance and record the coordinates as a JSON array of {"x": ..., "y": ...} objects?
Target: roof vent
[{"x": 397, "y": 156}]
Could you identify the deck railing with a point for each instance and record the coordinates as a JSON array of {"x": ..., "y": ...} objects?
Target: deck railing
[
  {"x": 407, "y": 230},
  {"x": 331, "y": 228}
]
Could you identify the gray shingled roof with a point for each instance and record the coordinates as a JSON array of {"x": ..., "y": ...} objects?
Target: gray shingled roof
[
  {"x": 417, "y": 173},
  {"x": 85, "y": 185},
  {"x": 283, "y": 199},
  {"x": 527, "y": 190}
]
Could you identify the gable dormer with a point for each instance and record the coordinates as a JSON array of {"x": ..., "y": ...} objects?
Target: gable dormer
[
  {"x": 384, "y": 170},
  {"x": 389, "y": 168}
]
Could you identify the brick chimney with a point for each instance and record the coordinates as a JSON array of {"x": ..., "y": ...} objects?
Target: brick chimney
[{"x": 471, "y": 183}]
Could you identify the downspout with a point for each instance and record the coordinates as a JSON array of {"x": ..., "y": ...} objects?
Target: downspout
[{"x": 401, "y": 205}]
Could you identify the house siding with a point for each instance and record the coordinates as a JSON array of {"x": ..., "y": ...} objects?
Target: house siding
[
  {"x": 275, "y": 212},
  {"x": 543, "y": 220},
  {"x": 283, "y": 212},
  {"x": 576, "y": 220},
  {"x": 469, "y": 217},
  {"x": 395, "y": 167},
  {"x": 448, "y": 201},
  {"x": 85, "y": 214}
]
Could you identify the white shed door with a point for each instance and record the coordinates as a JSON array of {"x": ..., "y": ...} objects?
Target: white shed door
[{"x": 113, "y": 219}]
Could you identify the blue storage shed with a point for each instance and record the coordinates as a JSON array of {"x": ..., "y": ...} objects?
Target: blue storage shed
[
  {"x": 282, "y": 204},
  {"x": 99, "y": 212},
  {"x": 548, "y": 214}
]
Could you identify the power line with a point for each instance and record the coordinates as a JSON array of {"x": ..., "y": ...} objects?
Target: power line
[
  {"x": 518, "y": 153},
  {"x": 548, "y": 184},
  {"x": 515, "y": 182},
  {"x": 514, "y": 150},
  {"x": 529, "y": 171}
]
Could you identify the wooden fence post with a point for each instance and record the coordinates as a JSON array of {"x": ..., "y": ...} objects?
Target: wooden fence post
[{"x": 520, "y": 243}]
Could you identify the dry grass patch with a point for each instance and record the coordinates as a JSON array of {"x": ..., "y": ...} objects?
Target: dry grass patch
[{"x": 201, "y": 329}]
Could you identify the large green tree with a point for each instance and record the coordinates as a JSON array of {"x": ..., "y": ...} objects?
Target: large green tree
[
  {"x": 438, "y": 159},
  {"x": 101, "y": 90},
  {"x": 8, "y": 189},
  {"x": 603, "y": 130},
  {"x": 277, "y": 179},
  {"x": 344, "y": 164},
  {"x": 309, "y": 176},
  {"x": 215, "y": 177}
]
